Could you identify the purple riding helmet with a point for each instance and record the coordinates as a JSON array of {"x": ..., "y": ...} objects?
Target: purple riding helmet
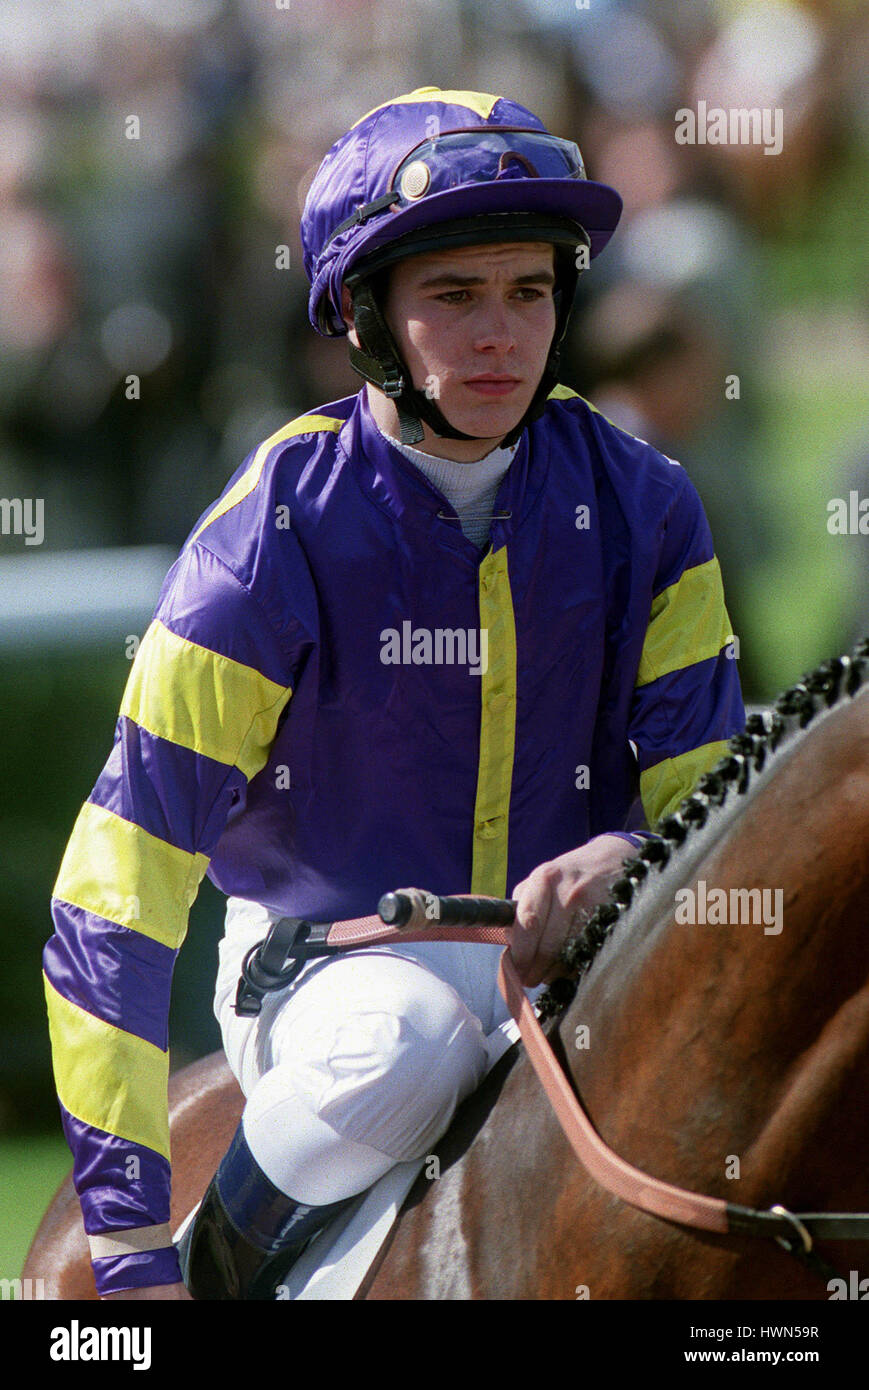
[{"x": 431, "y": 170}]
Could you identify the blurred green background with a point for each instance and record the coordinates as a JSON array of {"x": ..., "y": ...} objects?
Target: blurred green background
[{"x": 156, "y": 257}]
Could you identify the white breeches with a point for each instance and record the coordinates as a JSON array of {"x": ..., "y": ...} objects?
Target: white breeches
[{"x": 361, "y": 1062}]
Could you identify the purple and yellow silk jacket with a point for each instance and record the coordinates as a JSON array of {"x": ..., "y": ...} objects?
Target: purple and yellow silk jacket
[{"x": 304, "y": 723}]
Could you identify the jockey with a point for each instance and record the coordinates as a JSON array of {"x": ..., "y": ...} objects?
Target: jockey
[{"x": 452, "y": 631}]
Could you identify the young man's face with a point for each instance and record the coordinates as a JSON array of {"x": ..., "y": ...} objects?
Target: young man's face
[{"x": 475, "y": 326}]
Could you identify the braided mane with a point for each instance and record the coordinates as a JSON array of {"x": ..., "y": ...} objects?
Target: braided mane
[{"x": 748, "y": 752}]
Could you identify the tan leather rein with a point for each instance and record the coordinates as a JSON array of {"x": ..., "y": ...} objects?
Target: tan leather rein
[{"x": 410, "y": 914}]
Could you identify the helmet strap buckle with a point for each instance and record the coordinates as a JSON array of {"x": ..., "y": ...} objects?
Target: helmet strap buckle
[{"x": 392, "y": 384}]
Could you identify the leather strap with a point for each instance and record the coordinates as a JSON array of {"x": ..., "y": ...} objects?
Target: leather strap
[
  {"x": 613, "y": 1173},
  {"x": 419, "y": 913}
]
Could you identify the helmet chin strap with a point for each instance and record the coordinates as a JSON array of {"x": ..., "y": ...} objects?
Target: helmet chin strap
[{"x": 377, "y": 359}]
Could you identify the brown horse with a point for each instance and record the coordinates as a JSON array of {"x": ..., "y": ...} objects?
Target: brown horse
[{"x": 728, "y": 1055}]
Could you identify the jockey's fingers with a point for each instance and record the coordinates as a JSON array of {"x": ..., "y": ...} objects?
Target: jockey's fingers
[
  {"x": 533, "y": 904},
  {"x": 563, "y": 921}
]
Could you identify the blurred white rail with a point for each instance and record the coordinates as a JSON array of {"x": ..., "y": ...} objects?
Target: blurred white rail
[{"x": 72, "y": 597}]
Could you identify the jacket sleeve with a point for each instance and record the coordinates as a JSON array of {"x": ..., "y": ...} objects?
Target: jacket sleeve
[
  {"x": 198, "y": 717},
  {"x": 687, "y": 701}
]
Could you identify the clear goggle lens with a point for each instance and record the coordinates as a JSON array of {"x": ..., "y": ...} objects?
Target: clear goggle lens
[{"x": 460, "y": 157}]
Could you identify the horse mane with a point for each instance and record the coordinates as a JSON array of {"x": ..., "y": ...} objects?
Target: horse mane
[{"x": 708, "y": 810}]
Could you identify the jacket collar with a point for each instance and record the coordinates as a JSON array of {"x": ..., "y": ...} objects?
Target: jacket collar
[{"x": 398, "y": 487}]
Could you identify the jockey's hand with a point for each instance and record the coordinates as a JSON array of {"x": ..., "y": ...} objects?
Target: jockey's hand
[
  {"x": 162, "y": 1291},
  {"x": 555, "y": 900}
]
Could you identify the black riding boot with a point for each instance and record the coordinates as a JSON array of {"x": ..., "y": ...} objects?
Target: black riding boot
[{"x": 247, "y": 1233}]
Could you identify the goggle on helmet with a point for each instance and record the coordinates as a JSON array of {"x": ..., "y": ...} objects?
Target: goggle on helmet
[{"x": 465, "y": 186}]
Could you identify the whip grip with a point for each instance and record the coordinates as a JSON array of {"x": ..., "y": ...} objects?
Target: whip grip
[{"x": 414, "y": 909}]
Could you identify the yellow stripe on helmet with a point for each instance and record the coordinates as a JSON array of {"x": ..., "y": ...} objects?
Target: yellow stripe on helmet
[{"x": 479, "y": 102}]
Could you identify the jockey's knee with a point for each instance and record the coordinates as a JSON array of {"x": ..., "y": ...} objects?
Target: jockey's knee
[{"x": 372, "y": 1055}]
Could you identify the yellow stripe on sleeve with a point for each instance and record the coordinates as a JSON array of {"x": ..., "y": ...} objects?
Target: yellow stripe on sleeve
[
  {"x": 497, "y": 729},
  {"x": 665, "y": 785},
  {"x": 119, "y": 871},
  {"x": 203, "y": 701},
  {"x": 304, "y": 424},
  {"x": 108, "y": 1078},
  {"x": 688, "y": 623}
]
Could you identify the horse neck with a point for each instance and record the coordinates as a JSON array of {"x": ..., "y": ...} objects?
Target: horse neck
[{"x": 709, "y": 1042}]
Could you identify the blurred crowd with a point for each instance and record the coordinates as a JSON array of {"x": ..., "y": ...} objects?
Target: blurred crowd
[{"x": 156, "y": 256}]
